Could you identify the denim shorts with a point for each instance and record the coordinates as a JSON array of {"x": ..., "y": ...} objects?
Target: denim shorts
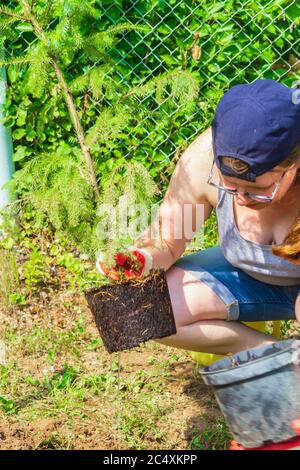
[{"x": 246, "y": 298}]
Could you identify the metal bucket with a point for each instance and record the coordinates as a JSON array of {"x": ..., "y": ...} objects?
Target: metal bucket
[{"x": 258, "y": 391}]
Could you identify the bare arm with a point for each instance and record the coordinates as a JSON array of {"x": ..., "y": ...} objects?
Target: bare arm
[{"x": 186, "y": 198}]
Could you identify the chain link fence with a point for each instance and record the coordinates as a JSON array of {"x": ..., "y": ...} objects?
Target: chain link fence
[{"x": 222, "y": 42}]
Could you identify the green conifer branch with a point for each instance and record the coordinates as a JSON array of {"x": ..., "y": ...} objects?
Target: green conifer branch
[
  {"x": 122, "y": 27},
  {"x": 18, "y": 61},
  {"x": 6, "y": 23},
  {"x": 60, "y": 175},
  {"x": 49, "y": 52},
  {"x": 6, "y": 11},
  {"x": 78, "y": 127},
  {"x": 68, "y": 98},
  {"x": 131, "y": 184}
]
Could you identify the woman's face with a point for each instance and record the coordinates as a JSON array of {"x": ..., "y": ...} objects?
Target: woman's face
[{"x": 263, "y": 186}]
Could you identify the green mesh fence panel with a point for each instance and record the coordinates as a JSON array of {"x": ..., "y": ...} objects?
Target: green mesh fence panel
[{"x": 222, "y": 42}]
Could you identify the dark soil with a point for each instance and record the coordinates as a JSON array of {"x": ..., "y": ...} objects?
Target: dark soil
[{"x": 132, "y": 312}]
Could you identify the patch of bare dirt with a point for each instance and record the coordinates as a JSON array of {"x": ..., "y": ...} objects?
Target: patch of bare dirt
[{"x": 186, "y": 398}]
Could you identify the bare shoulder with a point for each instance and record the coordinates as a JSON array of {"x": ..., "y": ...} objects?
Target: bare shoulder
[{"x": 194, "y": 166}]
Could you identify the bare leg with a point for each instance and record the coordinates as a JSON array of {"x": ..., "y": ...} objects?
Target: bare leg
[
  {"x": 200, "y": 319},
  {"x": 218, "y": 337}
]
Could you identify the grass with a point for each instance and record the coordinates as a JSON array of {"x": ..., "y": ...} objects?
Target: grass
[
  {"x": 62, "y": 372},
  {"x": 52, "y": 341},
  {"x": 48, "y": 376},
  {"x": 216, "y": 436},
  {"x": 64, "y": 391},
  {"x": 55, "y": 442}
]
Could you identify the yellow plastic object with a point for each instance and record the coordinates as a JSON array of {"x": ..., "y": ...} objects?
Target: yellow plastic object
[
  {"x": 204, "y": 359},
  {"x": 276, "y": 329}
]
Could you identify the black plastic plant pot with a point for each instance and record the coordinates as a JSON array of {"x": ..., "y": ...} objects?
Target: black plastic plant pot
[
  {"x": 258, "y": 391},
  {"x": 133, "y": 311}
]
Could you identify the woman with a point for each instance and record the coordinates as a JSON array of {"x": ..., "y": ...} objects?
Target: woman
[{"x": 247, "y": 166}]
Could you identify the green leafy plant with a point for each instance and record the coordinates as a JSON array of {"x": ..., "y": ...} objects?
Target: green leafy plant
[
  {"x": 79, "y": 275},
  {"x": 8, "y": 406},
  {"x": 54, "y": 442},
  {"x": 34, "y": 270},
  {"x": 216, "y": 436},
  {"x": 61, "y": 380},
  {"x": 17, "y": 299},
  {"x": 235, "y": 41},
  {"x": 64, "y": 183}
]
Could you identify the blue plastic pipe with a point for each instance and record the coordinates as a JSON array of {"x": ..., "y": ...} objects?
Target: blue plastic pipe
[{"x": 6, "y": 147}]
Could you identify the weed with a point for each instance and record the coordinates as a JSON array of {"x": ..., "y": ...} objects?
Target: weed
[
  {"x": 135, "y": 425},
  {"x": 35, "y": 270},
  {"x": 54, "y": 442},
  {"x": 8, "y": 406},
  {"x": 214, "y": 437},
  {"x": 79, "y": 277}
]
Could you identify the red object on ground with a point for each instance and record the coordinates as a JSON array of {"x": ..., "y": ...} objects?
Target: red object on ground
[
  {"x": 291, "y": 444},
  {"x": 295, "y": 425}
]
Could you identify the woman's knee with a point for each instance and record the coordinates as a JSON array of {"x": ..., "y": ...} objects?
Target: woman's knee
[{"x": 192, "y": 300}]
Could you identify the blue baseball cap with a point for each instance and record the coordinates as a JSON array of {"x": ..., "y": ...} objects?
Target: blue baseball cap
[{"x": 258, "y": 123}]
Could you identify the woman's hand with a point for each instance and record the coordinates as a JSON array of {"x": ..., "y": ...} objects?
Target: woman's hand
[{"x": 131, "y": 263}]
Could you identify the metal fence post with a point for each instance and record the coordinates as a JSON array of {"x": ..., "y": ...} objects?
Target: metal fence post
[{"x": 6, "y": 147}]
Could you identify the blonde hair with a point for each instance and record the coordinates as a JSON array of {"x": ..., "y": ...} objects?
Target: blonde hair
[
  {"x": 240, "y": 167},
  {"x": 294, "y": 157},
  {"x": 290, "y": 248}
]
